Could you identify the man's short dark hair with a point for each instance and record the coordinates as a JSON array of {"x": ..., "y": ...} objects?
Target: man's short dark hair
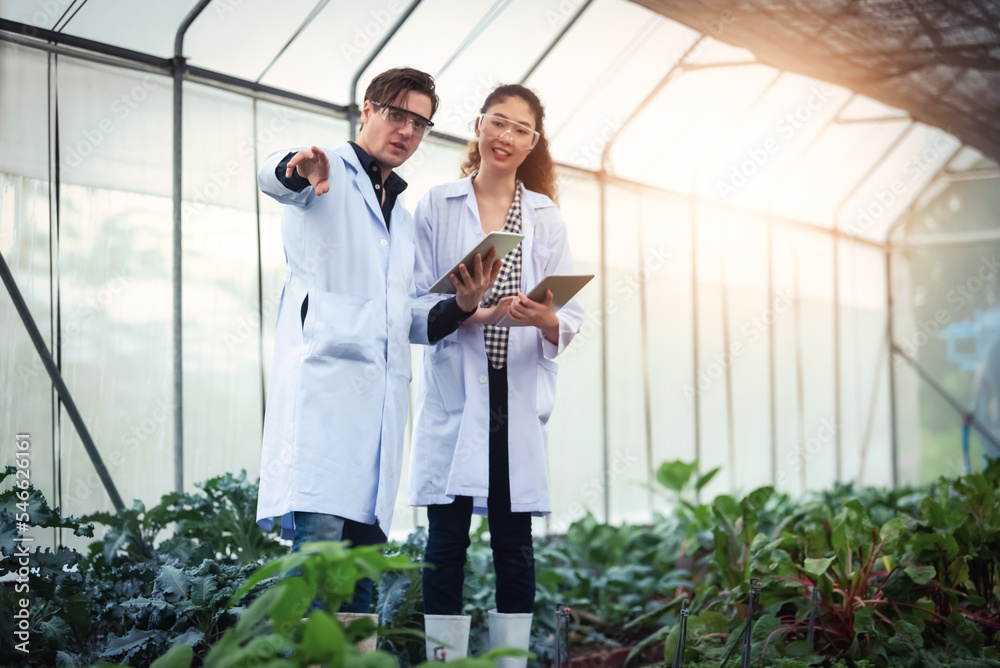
[{"x": 389, "y": 85}]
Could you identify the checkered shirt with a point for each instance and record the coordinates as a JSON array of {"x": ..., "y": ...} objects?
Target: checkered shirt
[{"x": 508, "y": 284}]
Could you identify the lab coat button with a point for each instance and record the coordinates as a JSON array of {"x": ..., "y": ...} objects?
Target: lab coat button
[
  {"x": 390, "y": 323},
  {"x": 482, "y": 379},
  {"x": 384, "y": 242}
]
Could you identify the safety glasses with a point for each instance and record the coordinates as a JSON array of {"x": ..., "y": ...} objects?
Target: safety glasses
[
  {"x": 497, "y": 126},
  {"x": 399, "y": 117}
]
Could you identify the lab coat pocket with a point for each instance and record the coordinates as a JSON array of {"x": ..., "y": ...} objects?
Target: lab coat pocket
[
  {"x": 340, "y": 325},
  {"x": 449, "y": 376},
  {"x": 539, "y": 261},
  {"x": 546, "y": 390}
]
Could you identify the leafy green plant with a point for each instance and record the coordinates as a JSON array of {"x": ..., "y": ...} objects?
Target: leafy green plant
[
  {"x": 893, "y": 571},
  {"x": 217, "y": 523},
  {"x": 51, "y": 578},
  {"x": 278, "y": 630},
  {"x": 224, "y": 517},
  {"x": 126, "y": 600}
]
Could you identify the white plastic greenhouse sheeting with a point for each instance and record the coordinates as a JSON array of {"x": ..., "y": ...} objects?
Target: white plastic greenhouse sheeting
[{"x": 743, "y": 136}]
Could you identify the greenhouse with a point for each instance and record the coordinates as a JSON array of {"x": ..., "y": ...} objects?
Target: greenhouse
[{"x": 778, "y": 400}]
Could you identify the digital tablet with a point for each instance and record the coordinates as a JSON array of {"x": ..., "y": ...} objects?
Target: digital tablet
[
  {"x": 504, "y": 242},
  {"x": 563, "y": 288}
]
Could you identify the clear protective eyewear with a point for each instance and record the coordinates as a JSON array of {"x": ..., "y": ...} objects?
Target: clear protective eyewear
[
  {"x": 497, "y": 126},
  {"x": 399, "y": 117}
]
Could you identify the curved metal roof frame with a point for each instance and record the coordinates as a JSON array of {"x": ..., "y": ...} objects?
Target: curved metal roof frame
[{"x": 124, "y": 57}]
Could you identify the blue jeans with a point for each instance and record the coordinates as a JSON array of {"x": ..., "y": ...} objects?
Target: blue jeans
[{"x": 312, "y": 527}]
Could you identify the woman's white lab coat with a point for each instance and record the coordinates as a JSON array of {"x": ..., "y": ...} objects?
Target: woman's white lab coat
[
  {"x": 339, "y": 388},
  {"x": 450, "y": 445}
]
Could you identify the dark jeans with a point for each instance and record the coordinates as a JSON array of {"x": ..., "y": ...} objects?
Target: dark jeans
[
  {"x": 510, "y": 533},
  {"x": 312, "y": 527}
]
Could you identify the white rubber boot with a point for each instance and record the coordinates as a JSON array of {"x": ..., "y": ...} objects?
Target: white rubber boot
[
  {"x": 447, "y": 634},
  {"x": 510, "y": 630}
]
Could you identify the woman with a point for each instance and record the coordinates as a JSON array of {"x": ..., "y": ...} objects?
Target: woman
[{"x": 467, "y": 456}]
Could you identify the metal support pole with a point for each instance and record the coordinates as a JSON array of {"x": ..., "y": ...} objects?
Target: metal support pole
[
  {"x": 604, "y": 349},
  {"x": 893, "y": 430},
  {"x": 179, "y": 64},
  {"x": 695, "y": 333},
  {"x": 647, "y": 402},
  {"x": 771, "y": 348},
  {"x": 838, "y": 420}
]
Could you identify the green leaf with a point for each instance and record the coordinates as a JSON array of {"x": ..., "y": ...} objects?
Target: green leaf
[
  {"x": 256, "y": 612},
  {"x": 958, "y": 571},
  {"x": 707, "y": 622},
  {"x": 173, "y": 582},
  {"x": 920, "y": 574},
  {"x": 130, "y": 642},
  {"x": 706, "y": 478},
  {"x": 201, "y": 589},
  {"x": 890, "y": 534},
  {"x": 323, "y": 638},
  {"x": 295, "y": 597},
  {"x": 513, "y": 652},
  {"x": 385, "y": 660},
  {"x": 191, "y": 637},
  {"x": 816, "y": 567},
  {"x": 178, "y": 657},
  {"x": 280, "y": 565},
  {"x": 799, "y": 648},
  {"x": 727, "y": 506},
  {"x": 675, "y": 475},
  {"x": 863, "y": 619},
  {"x": 930, "y": 545}
]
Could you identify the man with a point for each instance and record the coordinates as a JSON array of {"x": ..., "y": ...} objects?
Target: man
[{"x": 338, "y": 393}]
